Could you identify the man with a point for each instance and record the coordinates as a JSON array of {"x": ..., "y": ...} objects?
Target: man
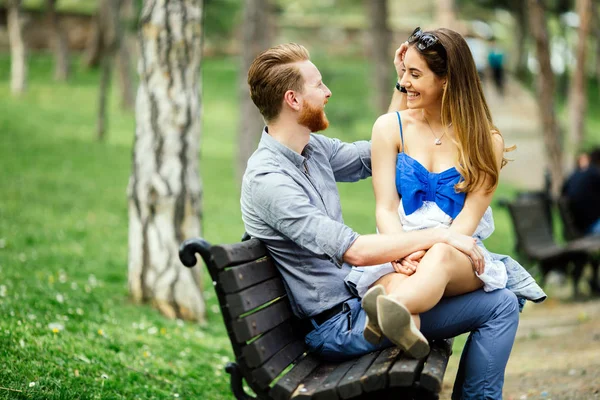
[
  {"x": 583, "y": 190},
  {"x": 290, "y": 202}
]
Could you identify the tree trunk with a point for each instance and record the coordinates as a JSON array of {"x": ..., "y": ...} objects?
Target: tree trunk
[
  {"x": 596, "y": 33},
  {"x": 18, "y": 48},
  {"x": 256, "y": 37},
  {"x": 108, "y": 24},
  {"x": 164, "y": 188},
  {"x": 545, "y": 87},
  {"x": 93, "y": 46},
  {"x": 522, "y": 27},
  {"x": 103, "y": 90},
  {"x": 123, "y": 57},
  {"x": 445, "y": 13},
  {"x": 578, "y": 95},
  {"x": 379, "y": 41},
  {"x": 59, "y": 43}
]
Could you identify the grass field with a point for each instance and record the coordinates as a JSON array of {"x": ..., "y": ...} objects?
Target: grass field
[{"x": 68, "y": 329}]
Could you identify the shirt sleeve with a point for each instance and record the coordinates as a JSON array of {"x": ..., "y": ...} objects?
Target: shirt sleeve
[
  {"x": 350, "y": 162},
  {"x": 282, "y": 204}
]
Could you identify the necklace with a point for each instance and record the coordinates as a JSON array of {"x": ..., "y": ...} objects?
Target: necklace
[{"x": 438, "y": 140}]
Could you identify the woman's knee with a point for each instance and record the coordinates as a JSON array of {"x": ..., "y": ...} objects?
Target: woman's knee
[{"x": 440, "y": 253}]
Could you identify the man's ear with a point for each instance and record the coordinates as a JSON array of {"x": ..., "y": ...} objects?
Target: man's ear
[{"x": 291, "y": 99}]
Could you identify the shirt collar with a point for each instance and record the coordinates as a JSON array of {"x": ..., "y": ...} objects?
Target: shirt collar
[{"x": 297, "y": 159}]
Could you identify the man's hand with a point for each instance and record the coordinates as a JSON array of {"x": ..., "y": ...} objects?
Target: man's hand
[
  {"x": 399, "y": 59},
  {"x": 467, "y": 245},
  {"x": 408, "y": 265}
]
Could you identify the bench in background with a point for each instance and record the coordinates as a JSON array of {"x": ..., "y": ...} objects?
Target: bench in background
[
  {"x": 531, "y": 217},
  {"x": 268, "y": 341}
]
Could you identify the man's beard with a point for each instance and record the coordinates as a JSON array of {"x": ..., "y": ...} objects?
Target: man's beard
[{"x": 313, "y": 118}]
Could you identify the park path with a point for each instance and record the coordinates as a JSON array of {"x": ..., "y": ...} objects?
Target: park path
[
  {"x": 516, "y": 115},
  {"x": 556, "y": 354}
]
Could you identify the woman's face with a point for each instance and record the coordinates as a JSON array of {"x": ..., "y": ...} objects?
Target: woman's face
[{"x": 424, "y": 88}]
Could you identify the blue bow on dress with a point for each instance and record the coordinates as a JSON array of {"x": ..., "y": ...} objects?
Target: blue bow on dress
[{"x": 416, "y": 184}]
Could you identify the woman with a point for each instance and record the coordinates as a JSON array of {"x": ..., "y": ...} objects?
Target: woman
[{"x": 435, "y": 164}]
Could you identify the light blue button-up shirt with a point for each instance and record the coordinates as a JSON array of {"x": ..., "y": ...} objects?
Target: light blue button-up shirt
[{"x": 291, "y": 203}]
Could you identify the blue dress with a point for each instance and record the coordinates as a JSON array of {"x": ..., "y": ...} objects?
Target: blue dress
[{"x": 429, "y": 200}]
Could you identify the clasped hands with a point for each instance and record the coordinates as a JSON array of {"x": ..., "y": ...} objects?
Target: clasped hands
[{"x": 465, "y": 244}]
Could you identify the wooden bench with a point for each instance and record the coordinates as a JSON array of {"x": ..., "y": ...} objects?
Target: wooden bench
[
  {"x": 535, "y": 241},
  {"x": 268, "y": 342},
  {"x": 578, "y": 240}
]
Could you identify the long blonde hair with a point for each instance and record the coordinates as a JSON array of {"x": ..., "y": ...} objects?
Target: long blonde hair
[{"x": 464, "y": 106}]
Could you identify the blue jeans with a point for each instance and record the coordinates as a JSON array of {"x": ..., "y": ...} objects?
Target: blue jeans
[{"x": 491, "y": 318}]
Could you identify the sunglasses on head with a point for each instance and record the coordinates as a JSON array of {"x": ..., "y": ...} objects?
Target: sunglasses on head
[{"x": 424, "y": 40}]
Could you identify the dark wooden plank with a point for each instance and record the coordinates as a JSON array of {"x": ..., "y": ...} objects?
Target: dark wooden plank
[
  {"x": 268, "y": 344},
  {"x": 350, "y": 385},
  {"x": 261, "y": 321},
  {"x": 265, "y": 374},
  {"x": 246, "y": 275},
  {"x": 433, "y": 372},
  {"x": 405, "y": 371},
  {"x": 313, "y": 382},
  {"x": 227, "y": 255},
  {"x": 286, "y": 387},
  {"x": 376, "y": 377},
  {"x": 328, "y": 390},
  {"x": 254, "y": 297}
]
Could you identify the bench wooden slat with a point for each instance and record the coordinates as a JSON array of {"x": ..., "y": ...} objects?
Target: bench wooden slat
[
  {"x": 405, "y": 371},
  {"x": 328, "y": 390},
  {"x": 226, "y": 255},
  {"x": 287, "y": 386},
  {"x": 433, "y": 372},
  {"x": 246, "y": 275},
  {"x": 254, "y": 296},
  {"x": 265, "y": 374},
  {"x": 261, "y": 321},
  {"x": 263, "y": 348},
  {"x": 377, "y": 376},
  {"x": 350, "y": 385},
  {"x": 312, "y": 383}
]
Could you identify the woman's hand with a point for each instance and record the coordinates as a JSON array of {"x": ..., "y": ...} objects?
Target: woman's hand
[
  {"x": 467, "y": 245},
  {"x": 399, "y": 59},
  {"x": 408, "y": 265}
]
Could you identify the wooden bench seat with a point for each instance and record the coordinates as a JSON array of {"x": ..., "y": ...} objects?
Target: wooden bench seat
[{"x": 268, "y": 341}]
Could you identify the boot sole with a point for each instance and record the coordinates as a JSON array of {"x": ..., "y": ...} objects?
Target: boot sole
[
  {"x": 372, "y": 333},
  {"x": 397, "y": 325}
]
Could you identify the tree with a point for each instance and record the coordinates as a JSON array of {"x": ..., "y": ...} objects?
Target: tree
[
  {"x": 59, "y": 43},
  {"x": 596, "y": 33},
  {"x": 110, "y": 37},
  {"x": 545, "y": 87},
  {"x": 123, "y": 57},
  {"x": 18, "y": 48},
  {"x": 578, "y": 95},
  {"x": 164, "y": 188},
  {"x": 379, "y": 41},
  {"x": 256, "y": 37},
  {"x": 445, "y": 13}
]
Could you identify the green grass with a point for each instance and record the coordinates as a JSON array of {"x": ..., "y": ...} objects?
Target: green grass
[{"x": 63, "y": 238}]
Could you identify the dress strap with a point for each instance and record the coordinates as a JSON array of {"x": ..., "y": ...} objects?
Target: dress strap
[{"x": 401, "y": 135}]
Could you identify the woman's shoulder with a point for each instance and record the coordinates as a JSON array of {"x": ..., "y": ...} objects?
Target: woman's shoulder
[{"x": 392, "y": 120}]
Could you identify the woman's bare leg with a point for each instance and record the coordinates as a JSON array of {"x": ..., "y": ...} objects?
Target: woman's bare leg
[{"x": 443, "y": 271}]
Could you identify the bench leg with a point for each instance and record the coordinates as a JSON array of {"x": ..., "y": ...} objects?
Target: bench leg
[{"x": 236, "y": 382}]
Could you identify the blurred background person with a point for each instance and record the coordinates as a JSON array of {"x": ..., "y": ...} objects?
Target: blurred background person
[
  {"x": 496, "y": 63},
  {"x": 583, "y": 190}
]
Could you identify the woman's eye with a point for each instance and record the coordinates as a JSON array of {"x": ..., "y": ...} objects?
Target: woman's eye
[{"x": 414, "y": 76}]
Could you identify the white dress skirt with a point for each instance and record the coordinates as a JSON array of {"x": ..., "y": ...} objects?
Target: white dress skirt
[{"x": 429, "y": 215}]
